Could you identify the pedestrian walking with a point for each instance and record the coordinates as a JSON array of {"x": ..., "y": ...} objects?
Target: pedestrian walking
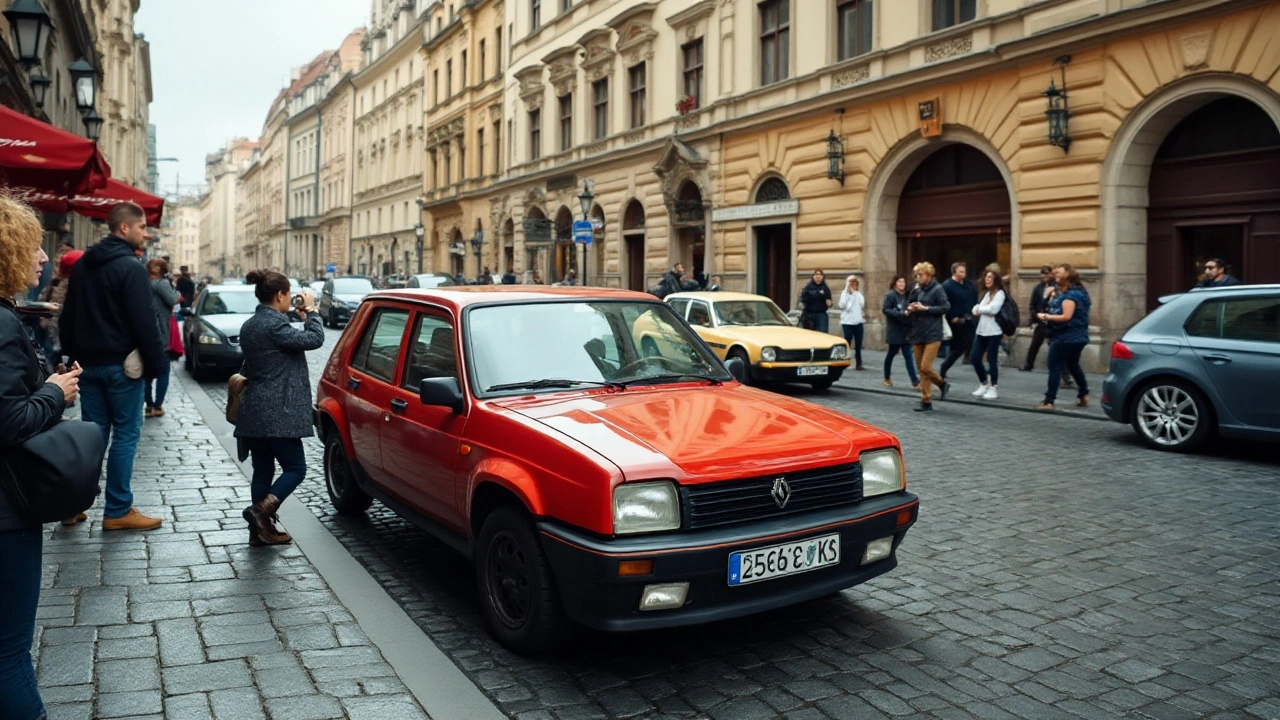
[
  {"x": 186, "y": 286},
  {"x": 896, "y": 326},
  {"x": 1068, "y": 316},
  {"x": 714, "y": 284},
  {"x": 163, "y": 298},
  {"x": 31, "y": 400},
  {"x": 275, "y": 406},
  {"x": 852, "y": 303},
  {"x": 1039, "y": 304},
  {"x": 671, "y": 282},
  {"x": 108, "y": 316},
  {"x": 926, "y": 307},
  {"x": 988, "y": 335},
  {"x": 1216, "y": 275},
  {"x": 815, "y": 300},
  {"x": 963, "y": 296}
]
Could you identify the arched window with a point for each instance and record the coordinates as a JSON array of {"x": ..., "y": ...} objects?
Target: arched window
[{"x": 772, "y": 190}]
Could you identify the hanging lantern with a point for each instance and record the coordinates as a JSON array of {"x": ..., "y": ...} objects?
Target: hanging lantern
[
  {"x": 31, "y": 28},
  {"x": 93, "y": 125},
  {"x": 1057, "y": 113},
  {"x": 835, "y": 157},
  {"x": 84, "y": 80},
  {"x": 39, "y": 89}
]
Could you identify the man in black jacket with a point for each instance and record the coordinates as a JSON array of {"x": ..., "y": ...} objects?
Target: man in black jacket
[
  {"x": 108, "y": 315},
  {"x": 1039, "y": 303},
  {"x": 186, "y": 287},
  {"x": 963, "y": 296}
]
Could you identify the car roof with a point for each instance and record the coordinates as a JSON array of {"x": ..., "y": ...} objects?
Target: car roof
[
  {"x": 715, "y": 296},
  {"x": 232, "y": 286},
  {"x": 462, "y": 296}
]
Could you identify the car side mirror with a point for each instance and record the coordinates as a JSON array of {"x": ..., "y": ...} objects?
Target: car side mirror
[
  {"x": 736, "y": 368},
  {"x": 441, "y": 392}
]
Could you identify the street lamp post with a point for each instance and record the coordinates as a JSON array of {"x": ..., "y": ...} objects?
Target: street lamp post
[
  {"x": 585, "y": 199},
  {"x": 420, "y": 232},
  {"x": 477, "y": 242}
]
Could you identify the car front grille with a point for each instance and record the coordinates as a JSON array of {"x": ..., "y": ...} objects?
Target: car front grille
[
  {"x": 810, "y": 355},
  {"x": 736, "y": 502}
]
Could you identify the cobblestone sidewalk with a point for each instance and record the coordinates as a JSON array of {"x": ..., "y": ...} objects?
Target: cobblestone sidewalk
[{"x": 189, "y": 622}]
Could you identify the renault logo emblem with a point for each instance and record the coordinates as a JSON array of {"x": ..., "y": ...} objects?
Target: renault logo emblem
[{"x": 781, "y": 492}]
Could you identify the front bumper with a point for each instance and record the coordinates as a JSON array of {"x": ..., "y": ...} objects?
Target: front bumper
[
  {"x": 218, "y": 357},
  {"x": 789, "y": 372},
  {"x": 339, "y": 315},
  {"x": 586, "y": 566}
]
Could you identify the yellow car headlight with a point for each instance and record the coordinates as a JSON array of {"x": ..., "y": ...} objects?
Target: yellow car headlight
[
  {"x": 769, "y": 354},
  {"x": 840, "y": 352}
]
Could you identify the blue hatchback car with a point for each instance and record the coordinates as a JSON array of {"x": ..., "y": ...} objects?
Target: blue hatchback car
[{"x": 1205, "y": 361}]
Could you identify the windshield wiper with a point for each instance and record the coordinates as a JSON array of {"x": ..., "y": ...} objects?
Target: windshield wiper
[
  {"x": 675, "y": 377},
  {"x": 547, "y": 383}
]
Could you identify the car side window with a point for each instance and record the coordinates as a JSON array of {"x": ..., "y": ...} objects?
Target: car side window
[
  {"x": 380, "y": 345},
  {"x": 431, "y": 352},
  {"x": 700, "y": 314},
  {"x": 680, "y": 305},
  {"x": 1256, "y": 319},
  {"x": 1204, "y": 320}
]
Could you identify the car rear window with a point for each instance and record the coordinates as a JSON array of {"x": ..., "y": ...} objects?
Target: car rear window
[{"x": 380, "y": 345}]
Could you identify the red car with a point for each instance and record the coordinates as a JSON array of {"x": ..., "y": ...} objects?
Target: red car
[{"x": 589, "y": 481}]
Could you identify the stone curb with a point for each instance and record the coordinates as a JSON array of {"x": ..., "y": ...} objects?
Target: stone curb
[{"x": 953, "y": 400}]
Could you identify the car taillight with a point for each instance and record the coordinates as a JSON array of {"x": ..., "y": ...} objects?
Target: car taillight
[{"x": 1120, "y": 351}]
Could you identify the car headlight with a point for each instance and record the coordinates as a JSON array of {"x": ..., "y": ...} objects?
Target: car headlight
[
  {"x": 839, "y": 352},
  {"x": 881, "y": 472},
  {"x": 208, "y": 338},
  {"x": 645, "y": 507},
  {"x": 769, "y": 354}
]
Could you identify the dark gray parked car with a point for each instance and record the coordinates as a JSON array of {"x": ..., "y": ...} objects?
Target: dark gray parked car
[
  {"x": 340, "y": 298},
  {"x": 1205, "y": 361}
]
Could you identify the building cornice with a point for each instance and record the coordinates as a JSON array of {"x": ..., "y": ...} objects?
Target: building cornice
[{"x": 405, "y": 46}]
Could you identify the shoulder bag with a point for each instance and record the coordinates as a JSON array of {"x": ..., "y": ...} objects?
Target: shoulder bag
[{"x": 54, "y": 475}]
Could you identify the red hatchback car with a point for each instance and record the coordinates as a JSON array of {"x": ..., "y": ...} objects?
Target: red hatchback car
[{"x": 589, "y": 481}]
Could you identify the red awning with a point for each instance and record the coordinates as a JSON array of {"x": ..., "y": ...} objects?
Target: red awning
[
  {"x": 34, "y": 154},
  {"x": 99, "y": 202}
]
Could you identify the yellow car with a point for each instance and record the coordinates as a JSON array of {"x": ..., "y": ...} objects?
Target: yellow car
[{"x": 753, "y": 329}]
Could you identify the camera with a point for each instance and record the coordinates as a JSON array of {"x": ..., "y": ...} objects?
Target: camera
[{"x": 299, "y": 301}]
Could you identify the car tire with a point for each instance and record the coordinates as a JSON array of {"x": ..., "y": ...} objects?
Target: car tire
[
  {"x": 340, "y": 479},
  {"x": 746, "y": 363},
  {"x": 822, "y": 385},
  {"x": 1172, "y": 415},
  {"x": 517, "y": 591}
]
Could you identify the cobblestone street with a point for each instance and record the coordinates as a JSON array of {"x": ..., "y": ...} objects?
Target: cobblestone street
[{"x": 1058, "y": 570}]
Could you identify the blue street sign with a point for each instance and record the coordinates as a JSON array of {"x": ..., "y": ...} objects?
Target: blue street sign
[
  {"x": 583, "y": 231},
  {"x": 331, "y": 268}
]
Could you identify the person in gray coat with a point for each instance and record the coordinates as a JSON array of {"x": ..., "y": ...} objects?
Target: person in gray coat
[
  {"x": 896, "y": 325},
  {"x": 275, "y": 406},
  {"x": 926, "y": 306},
  {"x": 164, "y": 297}
]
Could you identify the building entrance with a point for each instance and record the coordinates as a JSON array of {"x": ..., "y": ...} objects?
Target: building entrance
[{"x": 773, "y": 264}]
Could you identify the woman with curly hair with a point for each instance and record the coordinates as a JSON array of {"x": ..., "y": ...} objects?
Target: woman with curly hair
[{"x": 31, "y": 401}]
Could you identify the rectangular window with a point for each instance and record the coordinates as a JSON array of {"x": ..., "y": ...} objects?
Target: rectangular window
[
  {"x": 462, "y": 160},
  {"x": 379, "y": 348},
  {"x": 853, "y": 28},
  {"x": 636, "y": 76},
  {"x": 693, "y": 70},
  {"x": 463, "y": 70},
  {"x": 481, "y": 58},
  {"x": 497, "y": 47},
  {"x": 566, "y": 122},
  {"x": 566, "y": 5},
  {"x": 435, "y": 86},
  {"x": 448, "y": 164},
  {"x": 953, "y": 12},
  {"x": 497, "y": 146},
  {"x": 480, "y": 152},
  {"x": 535, "y": 14},
  {"x": 775, "y": 41},
  {"x": 448, "y": 79},
  {"x": 600, "y": 106},
  {"x": 535, "y": 134}
]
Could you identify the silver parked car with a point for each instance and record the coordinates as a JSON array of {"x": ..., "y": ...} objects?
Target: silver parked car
[{"x": 1205, "y": 361}]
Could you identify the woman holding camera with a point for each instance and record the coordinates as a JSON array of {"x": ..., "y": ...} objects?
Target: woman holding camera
[
  {"x": 275, "y": 406},
  {"x": 31, "y": 401}
]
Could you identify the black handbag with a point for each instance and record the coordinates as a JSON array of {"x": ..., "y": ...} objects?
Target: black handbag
[{"x": 56, "y": 474}]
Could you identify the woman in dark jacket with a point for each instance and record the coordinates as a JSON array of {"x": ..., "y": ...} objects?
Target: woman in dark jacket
[
  {"x": 896, "y": 325},
  {"x": 275, "y": 407},
  {"x": 815, "y": 300},
  {"x": 163, "y": 297},
  {"x": 926, "y": 306},
  {"x": 29, "y": 405}
]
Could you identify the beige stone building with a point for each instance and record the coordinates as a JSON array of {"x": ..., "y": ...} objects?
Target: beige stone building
[
  {"x": 124, "y": 59},
  {"x": 463, "y": 59},
  {"x": 861, "y": 137},
  {"x": 183, "y": 237},
  {"x": 387, "y": 141},
  {"x": 221, "y": 256},
  {"x": 337, "y": 116},
  {"x": 249, "y": 210}
]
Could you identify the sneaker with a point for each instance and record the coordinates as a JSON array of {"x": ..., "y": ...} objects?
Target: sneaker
[
  {"x": 924, "y": 407},
  {"x": 990, "y": 394},
  {"x": 1046, "y": 406},
  {"x": 981, "y": 391},
  {"x": 888, "y": 382},
  {"x": 75, "y": 520},
  {"x": 132, "y": 520},
  {"x": 946, "y": 388}
]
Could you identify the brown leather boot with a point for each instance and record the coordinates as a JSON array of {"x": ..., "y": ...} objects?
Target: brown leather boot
[{"x": 261, "y": 519}]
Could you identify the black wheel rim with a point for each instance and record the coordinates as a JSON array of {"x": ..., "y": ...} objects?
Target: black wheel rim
[
  {"x": 337, "y": 476},
  {"x": 507, "y": 580}
]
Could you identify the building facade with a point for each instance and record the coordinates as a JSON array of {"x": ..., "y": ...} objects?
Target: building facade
[
  {"x": 221, "y": 255},
  {"x": 124, "y": 59},
  {"x": 249, "y": 211},
  {"x": 387, "y": 141},
  {"x": 183, "y": 240},
  {"x": 463, "y": 60},
  {"x": 336, "y": 120}
]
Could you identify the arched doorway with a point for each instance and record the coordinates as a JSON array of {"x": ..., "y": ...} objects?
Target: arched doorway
[
  {"x": 508, "y": 246},
  {"x": 1215, "y": 193},
  {"x": 689, "y": 222},
  {"x": 566, "y": 256},
  {"x": 537, "y": 234},
  {"x": 954, "y": 208},
  {"x": 773, "y": 248},
  {"x": 633, "y": 245}
]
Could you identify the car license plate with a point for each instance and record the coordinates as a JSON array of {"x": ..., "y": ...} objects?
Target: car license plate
[
  {"x": 811, "y": 370},
  {"x": 780, "y": 560}
]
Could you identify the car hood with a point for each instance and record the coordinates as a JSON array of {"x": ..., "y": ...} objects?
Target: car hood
[
  {"x": 353, "y": 299},
  {"x": 226, "y": 324},
  {"x": 700, "y": 433},
  {"x": 788, "y": 337}
]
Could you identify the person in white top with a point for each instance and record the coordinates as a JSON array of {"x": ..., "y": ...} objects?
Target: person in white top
[
  {"x": 851, "y": 304},
  {"x": 988, "y": 334}
]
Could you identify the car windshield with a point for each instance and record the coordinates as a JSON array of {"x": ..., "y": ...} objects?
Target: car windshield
[
  {"x": 352, "y": 286},
  {"x": 555, "y": 345},
  {"x": 750, "y": 312},
  {"x": 229, "y": 302}
]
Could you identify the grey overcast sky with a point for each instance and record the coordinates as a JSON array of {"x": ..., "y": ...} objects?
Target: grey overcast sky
[{"x": 216, "y": 65}]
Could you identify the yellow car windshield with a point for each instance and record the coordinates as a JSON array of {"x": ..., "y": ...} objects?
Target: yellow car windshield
[{"x": 750, "y": 312}]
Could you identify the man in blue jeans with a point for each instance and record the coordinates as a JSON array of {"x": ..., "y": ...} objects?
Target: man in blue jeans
[{"x": 108, "y": 315}]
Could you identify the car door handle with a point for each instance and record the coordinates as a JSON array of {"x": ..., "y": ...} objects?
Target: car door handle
[
  {"x": 398, "y": 406},
  {"x": 353, "y": 383},
  {"x": 1218, "y": 358}
]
